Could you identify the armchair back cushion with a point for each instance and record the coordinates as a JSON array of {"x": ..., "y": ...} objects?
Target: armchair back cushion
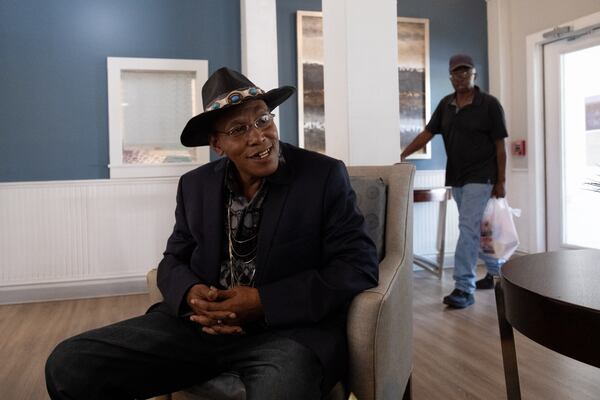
[{"x": 371, "y": 200}]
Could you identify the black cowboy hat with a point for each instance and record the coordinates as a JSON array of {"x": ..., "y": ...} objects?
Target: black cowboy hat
[{"x": 224, "y": 89}]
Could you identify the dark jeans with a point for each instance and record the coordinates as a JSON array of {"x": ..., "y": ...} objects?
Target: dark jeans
[{"x": 157, "y": 353}]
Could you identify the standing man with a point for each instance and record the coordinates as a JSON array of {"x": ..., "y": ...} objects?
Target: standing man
[
  {"x": 473, "y": 128},
  {"x": 267, "y": 252}
]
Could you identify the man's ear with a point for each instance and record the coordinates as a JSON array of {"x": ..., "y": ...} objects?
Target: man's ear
[{"x": 215, "y": 143}]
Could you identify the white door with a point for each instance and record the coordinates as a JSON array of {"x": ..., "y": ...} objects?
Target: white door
[{"x": 572, "y": 128}]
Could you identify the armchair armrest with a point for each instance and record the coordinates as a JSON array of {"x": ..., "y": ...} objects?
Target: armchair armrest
[
  {"x": 380, "y": 319},
  {"x": 380, "y": 333},
  {"x": 155, "y": 295}
]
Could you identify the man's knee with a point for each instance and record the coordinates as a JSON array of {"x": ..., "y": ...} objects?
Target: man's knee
[
  {"x": 288, "y": 371},
  {"x": 65, "y": 367},
  {"x": 58, "y": 365}
]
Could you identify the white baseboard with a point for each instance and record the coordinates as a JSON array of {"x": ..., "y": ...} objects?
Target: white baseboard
[{"x": 29, "y": 293}]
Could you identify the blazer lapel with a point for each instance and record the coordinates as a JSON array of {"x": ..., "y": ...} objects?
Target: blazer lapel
[
  {"x": 272, "y": 208},
  {"x": 279, "y": 184},
  {"x": 213, "y": 225}
]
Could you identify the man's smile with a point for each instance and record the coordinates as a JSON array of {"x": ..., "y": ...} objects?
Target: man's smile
[{"x": 262, "y": 154}]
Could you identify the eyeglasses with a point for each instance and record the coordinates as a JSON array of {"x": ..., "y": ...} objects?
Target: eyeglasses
[
  {"x": 461, "y": 74},
  {"x": 261, "y": 123}
]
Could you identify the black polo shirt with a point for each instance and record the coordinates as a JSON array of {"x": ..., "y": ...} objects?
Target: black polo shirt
[{"x": 469, "y": 137}]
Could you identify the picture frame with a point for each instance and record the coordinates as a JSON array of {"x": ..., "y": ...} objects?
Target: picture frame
[
  {"x": 413, "y": 81},
  {"x": 311, "y": 97}
]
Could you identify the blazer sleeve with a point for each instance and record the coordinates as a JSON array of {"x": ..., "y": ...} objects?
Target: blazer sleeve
[
  {"x": 349, "y": 263},
  {"x": 175, "y": 277}
]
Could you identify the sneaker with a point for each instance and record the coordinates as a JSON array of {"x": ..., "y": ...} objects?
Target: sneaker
[
  {"x": 459, "y": 299},
  {"x": 485, "y": 283}
]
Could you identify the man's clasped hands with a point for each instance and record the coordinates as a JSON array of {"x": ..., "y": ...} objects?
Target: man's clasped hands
[{"x": 224, "y": 312}]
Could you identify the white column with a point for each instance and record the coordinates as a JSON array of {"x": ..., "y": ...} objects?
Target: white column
[
  {"x": 499, "y": 64},
  {"x": 362, "y": 121},
  {"x": 259, "y": 42}
]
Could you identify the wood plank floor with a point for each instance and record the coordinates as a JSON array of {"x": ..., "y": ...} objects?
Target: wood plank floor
[
  {"x": 30, "y": 332},
  {"x": 456, "y": 352}
]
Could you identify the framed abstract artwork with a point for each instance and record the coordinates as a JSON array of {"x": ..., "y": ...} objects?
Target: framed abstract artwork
[
  {"x": 413, "y": 80},
  {"x": 311, "y": 99}
]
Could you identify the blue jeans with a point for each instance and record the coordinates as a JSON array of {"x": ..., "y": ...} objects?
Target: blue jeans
[{"x": 471, "y": 200}]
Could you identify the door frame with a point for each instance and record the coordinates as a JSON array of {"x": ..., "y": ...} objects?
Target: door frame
[
  {"x": 556, "y": 185},
  {"x": 536, "y": 163}
]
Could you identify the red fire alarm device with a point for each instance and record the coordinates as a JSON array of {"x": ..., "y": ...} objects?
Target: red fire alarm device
[{"x": 518, "y": 148}]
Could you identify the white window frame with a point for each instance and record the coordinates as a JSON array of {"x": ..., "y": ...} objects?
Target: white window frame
[{"x": 115, "y": 65}]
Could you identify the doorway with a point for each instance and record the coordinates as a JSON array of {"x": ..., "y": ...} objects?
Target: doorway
[{"x": 572, "y": 141}]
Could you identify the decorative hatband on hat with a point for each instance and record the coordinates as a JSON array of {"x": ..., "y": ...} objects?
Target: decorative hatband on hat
[{"x": 234, "y": 97}]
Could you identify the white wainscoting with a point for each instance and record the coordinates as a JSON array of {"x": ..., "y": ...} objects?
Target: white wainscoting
[
  {"x": 76, "y": 239},
  {"x": 73, "y": 239},
  {"x": 425, "y": 219}
]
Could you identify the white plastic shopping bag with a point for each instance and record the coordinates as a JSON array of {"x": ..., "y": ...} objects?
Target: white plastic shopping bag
[{"x": 498, "y": 232}]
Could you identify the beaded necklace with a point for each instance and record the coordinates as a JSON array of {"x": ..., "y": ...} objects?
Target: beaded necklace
[
  {"x": 242, "y": 239},
  {"x": 234, "y": 254}
]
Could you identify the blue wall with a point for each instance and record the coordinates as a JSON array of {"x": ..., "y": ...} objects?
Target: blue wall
[
  {"x": 53, "y": 100},
  {"x": 455, "y": 26},
  {"x": 53, "y": 97}
]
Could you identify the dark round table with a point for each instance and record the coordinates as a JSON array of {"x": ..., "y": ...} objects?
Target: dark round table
[{"x": 554, "y": 299}]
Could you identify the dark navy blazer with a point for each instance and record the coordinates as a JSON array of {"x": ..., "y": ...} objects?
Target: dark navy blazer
[{"x": 313, "y": 253}]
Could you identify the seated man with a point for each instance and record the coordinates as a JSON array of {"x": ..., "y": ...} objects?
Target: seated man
[{"x": 267, "y": 252}]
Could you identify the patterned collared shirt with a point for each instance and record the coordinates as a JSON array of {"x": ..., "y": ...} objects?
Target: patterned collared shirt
[{"x": 241, "y": 230}]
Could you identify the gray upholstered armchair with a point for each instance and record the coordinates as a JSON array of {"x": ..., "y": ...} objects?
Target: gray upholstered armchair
[{"x": 380, "y": 319}]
